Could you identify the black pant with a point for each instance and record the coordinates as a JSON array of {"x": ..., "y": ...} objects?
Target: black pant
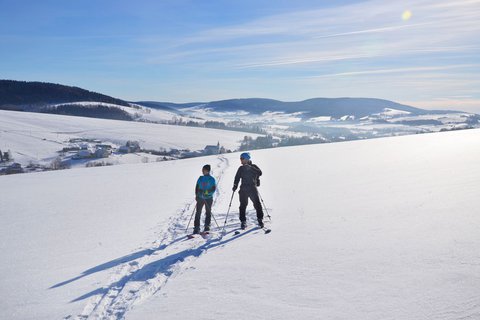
[
  {"x": 251, "y": 193},
  {"x": 208, "y": 212}
]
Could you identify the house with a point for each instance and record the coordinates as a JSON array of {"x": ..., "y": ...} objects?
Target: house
[
  {"x": 124, "y": 149},
  {"x": 5, "y": 157},
  {"x": 71, "y": 148},
  {"x": 84, "y": 146},
  {"x": 104, "y": 146},
  {"x": 130, "y": 147},
  {"x": 134, "y": 146},
  {"x": 102, "y": 153},
  {"x": 210, "y": 150},
  {"x": 83, "y": 154},
  {"x": 14, "y": 168}
]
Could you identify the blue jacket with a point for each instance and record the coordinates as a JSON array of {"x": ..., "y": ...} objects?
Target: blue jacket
[{"x": 205, "y": 187}]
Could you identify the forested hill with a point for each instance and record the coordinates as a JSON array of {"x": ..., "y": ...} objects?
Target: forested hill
[{"x": 24, "y": 95}]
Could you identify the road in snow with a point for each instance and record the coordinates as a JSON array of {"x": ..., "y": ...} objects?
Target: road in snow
[{"x": 377, "y": 229}]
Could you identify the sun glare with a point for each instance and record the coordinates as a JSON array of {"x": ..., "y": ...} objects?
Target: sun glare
[{"x": 407, "y": 14}]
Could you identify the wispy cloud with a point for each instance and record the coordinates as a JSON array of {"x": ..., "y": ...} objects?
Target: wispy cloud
[
  {"x": 374, "y": 30},
  {"x": 396, "y": 70},
  {"x": 366, "y": 48},
  {"x": 360, "y": 49},
  {"x": 364, "y": 30}
]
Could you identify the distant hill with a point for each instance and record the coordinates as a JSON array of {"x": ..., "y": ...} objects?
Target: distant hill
[
  {"x": 41, "y": 96},
  {"x": 32, "y": 96},
  {"x": 334, "y": 107}
]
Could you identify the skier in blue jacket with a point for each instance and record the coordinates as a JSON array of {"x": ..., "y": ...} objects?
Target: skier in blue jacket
[{"x": 204, "y": 190}]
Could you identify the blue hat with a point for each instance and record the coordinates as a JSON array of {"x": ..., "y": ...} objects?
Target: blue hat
[{"x": 245, "y": 156}]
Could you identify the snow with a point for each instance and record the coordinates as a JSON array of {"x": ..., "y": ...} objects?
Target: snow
[
  {"x": 38, "y": 137},
  {"x": 375, "y": 229},
  {"x": 444, "y": 118},
  {"x": 347, "y": 118},
  {"x": 268, "y": 117},
  {"x": 136, "y": 111},
  {"x": 389, "y": 112},
  {"x": 319, "y": 119},
  {"x": 280, "y": 117}
]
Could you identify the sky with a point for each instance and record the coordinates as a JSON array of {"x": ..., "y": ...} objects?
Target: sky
[{"x": 424, "y": 53}]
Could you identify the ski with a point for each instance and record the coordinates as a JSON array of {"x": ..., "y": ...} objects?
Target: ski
[
  {"x": 265, "y": 230},
  {"x": 240, "y": 230},
  {"x": 204, "y": 235}
]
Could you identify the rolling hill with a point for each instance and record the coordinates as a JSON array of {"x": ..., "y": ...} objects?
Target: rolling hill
[{"x": 29, "y": 96}]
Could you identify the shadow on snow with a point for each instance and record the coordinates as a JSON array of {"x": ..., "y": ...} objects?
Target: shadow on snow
[{"x": 149, "y": 271}]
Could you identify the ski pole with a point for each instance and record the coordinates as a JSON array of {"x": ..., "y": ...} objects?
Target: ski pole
[
  {"x": 188, "y": 225},
  {"x": 210, "y": 209},
  {"x": 228, "y": 211},
  {"x": 264, "y": 206}
]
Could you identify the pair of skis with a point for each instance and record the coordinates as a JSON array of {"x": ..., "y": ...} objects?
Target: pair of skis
[
  {"x": 207, "y": 234},
  {"x": 204, "y": 235},
  {"x": 265, "y": 230}
]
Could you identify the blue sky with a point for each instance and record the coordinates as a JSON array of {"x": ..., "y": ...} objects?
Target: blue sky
[{"x": 425, "y": 53}]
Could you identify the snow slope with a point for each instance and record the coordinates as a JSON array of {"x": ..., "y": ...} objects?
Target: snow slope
[
  {"x": 38, "y": 137},
  {"x": 136, "y": 111},
  {"x": 375, "y": 229}
]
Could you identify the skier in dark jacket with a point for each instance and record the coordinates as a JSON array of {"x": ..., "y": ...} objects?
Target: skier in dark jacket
[
  {"x": 250, "y": 174},
  {"x": 204, "y": 190}
]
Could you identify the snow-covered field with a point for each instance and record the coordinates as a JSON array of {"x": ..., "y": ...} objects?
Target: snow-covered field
[
  {"x": 135, "y": 111},
  {"x": 387, "y": 123},
  {"x": 376, "y": 229},
  {"x": 38, "y": 137}
]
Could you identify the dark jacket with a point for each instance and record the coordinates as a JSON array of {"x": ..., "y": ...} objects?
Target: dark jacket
[{"x": 249, "y": 173}]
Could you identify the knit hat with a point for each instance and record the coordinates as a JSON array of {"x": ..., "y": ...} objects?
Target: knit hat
[
  {"x": 207, "y": 167},
  {"x": 245, "y": 156}
]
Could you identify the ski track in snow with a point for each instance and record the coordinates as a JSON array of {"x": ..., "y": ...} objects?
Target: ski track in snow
[{"x": 149, "y": 270}]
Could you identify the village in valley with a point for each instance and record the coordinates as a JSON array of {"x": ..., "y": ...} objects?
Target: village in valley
[{"x": 85, "y": 152}]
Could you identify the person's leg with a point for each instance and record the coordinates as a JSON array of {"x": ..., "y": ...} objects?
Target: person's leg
[
  {"x": 258, "y": 206},
  {"x": 198, "y": 214},
  {"x": 243, "y": 206},
  {"x": 208, "y": 213}
]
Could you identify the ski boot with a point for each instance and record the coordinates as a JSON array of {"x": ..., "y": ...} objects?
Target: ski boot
[
  {"x": 243, "y": 225},
  {"x": 260, "y": 224}
]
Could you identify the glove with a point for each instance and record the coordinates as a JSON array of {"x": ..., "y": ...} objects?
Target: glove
[{"x": 234, "y": 188}]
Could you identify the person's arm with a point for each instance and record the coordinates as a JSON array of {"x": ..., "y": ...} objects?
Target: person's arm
[
  {"x": 214, "y": 186},
  {"x": 237, "y": 179},
  {"x": 196, "y": 188},
  {"x": 257, "y": 170}
]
